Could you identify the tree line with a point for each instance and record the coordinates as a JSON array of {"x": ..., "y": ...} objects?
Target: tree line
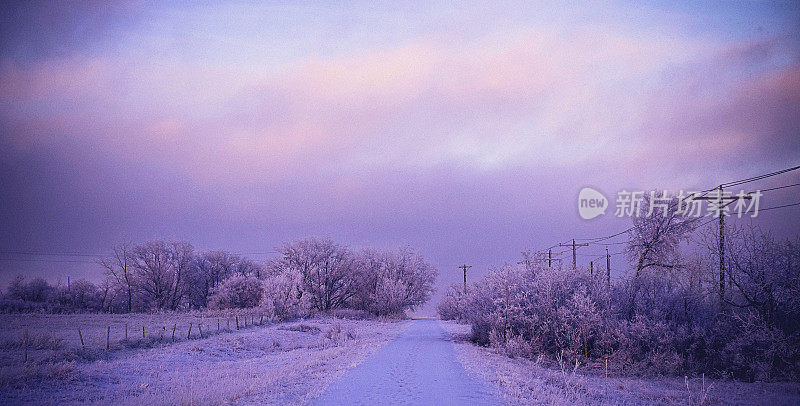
[
  {"x": 308, "y": 275},
  {"x": 670, "y": 313}
]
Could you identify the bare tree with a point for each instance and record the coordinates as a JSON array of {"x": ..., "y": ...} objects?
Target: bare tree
[
  {"x": 327, "y": 270},
  {"x": 764, "y": 273},
  {"x": 118, "y": 266},
  {"x": 247, "y": 267},
  {"x": 392, "y": 282},
  {"x": 219, "y": 265},
  {"x": 181, "y": 259},
  {"x": 152, "y": 263},
  {"x": 656, "y": 233},
  {"x": 237, "y": 292}
]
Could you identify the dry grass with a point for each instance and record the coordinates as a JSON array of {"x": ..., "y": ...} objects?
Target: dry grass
[
  {"x": 524, "y": 381},
  {"x": 288, "y": 363}
]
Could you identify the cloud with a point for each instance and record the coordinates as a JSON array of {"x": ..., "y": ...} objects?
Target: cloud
[{"x": 455, "y": 135}]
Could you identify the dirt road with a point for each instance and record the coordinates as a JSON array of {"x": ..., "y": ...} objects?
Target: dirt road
[{"x": 417, "y": 368}]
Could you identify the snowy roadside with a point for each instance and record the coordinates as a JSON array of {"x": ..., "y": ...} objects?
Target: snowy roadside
[
  {"x": 286, "y": 363},
  {"x": 525, "y": 381}
]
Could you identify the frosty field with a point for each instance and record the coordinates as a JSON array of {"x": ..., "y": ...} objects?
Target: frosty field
[
  {"x": 286, "y": 363},
  {"x": 316, "y": 361},
  {"x": 61, "y": 330},
  {"x": 525, "y": 382}
]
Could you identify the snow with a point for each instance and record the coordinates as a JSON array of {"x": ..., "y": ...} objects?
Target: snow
[
  {"x": 523, "y": 382},
  {"x": 321, "y": 361},
  {"x": 417, "y": 368},
  {"x": 287, "y": 363}
]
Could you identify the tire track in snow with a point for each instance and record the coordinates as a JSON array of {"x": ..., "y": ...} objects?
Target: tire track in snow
[{"x": 418, "y": 368}]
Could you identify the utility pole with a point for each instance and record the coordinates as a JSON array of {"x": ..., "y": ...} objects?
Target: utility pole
[
  {"x": 608, "y": 269},
  {"x": 529, "y": 260},
  {"x": 464, "y": 267},
  {"x": 722, "y": 201},
  {"x": 526, "y": 255},
  {"x": 574, "y": 246}
]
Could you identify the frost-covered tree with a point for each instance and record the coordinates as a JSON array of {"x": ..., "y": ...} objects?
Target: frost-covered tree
[
  {"x": 181, "y": 261},
  {"x": 162, "y": 272},
  {"x": 332, "y": 276},
  {"x": 37, "y": 290},
  {"x": 246, "y": 267},
  {"x": 238, "y": 292},
  {"x": 765, "y": 275},
  {"x": 80, "y": 295},
  {"x": 659, "y": 227},
  {"x": 209, "y": 270},
  {"x": 283, "y": 295},
  {"x": 151, "y": 261},
  {"x": 327, "y": 271},
  {"x": 453, "y": 305},
  {"x": 402, "y": 280},
  {"x": 119, "y": 268}
]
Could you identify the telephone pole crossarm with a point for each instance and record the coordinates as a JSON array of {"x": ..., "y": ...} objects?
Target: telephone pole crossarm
[
  {"x": 574, "y": 246},
  {"x": 465, "y": 267}
]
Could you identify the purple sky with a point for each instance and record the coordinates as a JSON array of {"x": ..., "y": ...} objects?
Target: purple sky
[{"x": 466, "y": 133}]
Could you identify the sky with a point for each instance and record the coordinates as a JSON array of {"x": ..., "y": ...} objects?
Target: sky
[{"x": 465, "y": 132}]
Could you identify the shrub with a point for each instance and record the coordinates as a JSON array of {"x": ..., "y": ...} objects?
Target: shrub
[
  {"x": 238, "y": 292},
  {"x": 658, "y": 322},
  {"x": 453, "y": 305},
  {"x": 283, "y": 296}
]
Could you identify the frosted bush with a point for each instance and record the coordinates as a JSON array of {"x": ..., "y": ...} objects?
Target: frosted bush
[
  {"x": 283, "y": 296},
  {"x": 453, "y": 305},
  {"x": 237, "y": 292},
  {"x": 665, "y": 320}
]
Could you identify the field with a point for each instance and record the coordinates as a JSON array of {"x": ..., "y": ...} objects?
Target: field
[
  {"x": 323, "y": 360},
  {"x": 523, "y": 382},
  {"x": 61, "y": 332},
  {"x": 270, "y": 363}
]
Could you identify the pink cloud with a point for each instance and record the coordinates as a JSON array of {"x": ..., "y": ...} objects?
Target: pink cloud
[{"x": 493, "y": 102}]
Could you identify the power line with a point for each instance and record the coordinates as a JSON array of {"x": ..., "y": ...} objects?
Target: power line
[
  {"x": 779, "y": 207},
  {"x": 594, "y": 240},
  {"x": 720, "y": 216},
  {"x": 609, "y": 243},
  {"x": 57, "y": 254},
  {"x": 47, "y": 260},
  {"x": 776, "y": 188},
  {"x": 87, "y": 255},
  {"x": 759, "y": 177},
  {"x": 703, "y": 193}
]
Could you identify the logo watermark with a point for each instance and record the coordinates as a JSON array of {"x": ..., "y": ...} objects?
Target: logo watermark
[{"x": 592, "y": 203}]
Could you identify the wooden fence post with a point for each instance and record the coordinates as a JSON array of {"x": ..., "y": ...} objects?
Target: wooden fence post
[
  {"x": 108, "y": 339},
  {"x": 126, "y": 331},
  {"x": 143, "y": 335},
  {"x": 237, "y": 322},
  {"x": 188, "y": 336},
  {"x": 173, "y": 331},
  {"x": 83, "y": 345},
  {"x": 200, "y": 329}
]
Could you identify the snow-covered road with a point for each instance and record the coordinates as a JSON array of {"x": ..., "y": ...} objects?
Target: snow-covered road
[{"x": 417, "y": 368}]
